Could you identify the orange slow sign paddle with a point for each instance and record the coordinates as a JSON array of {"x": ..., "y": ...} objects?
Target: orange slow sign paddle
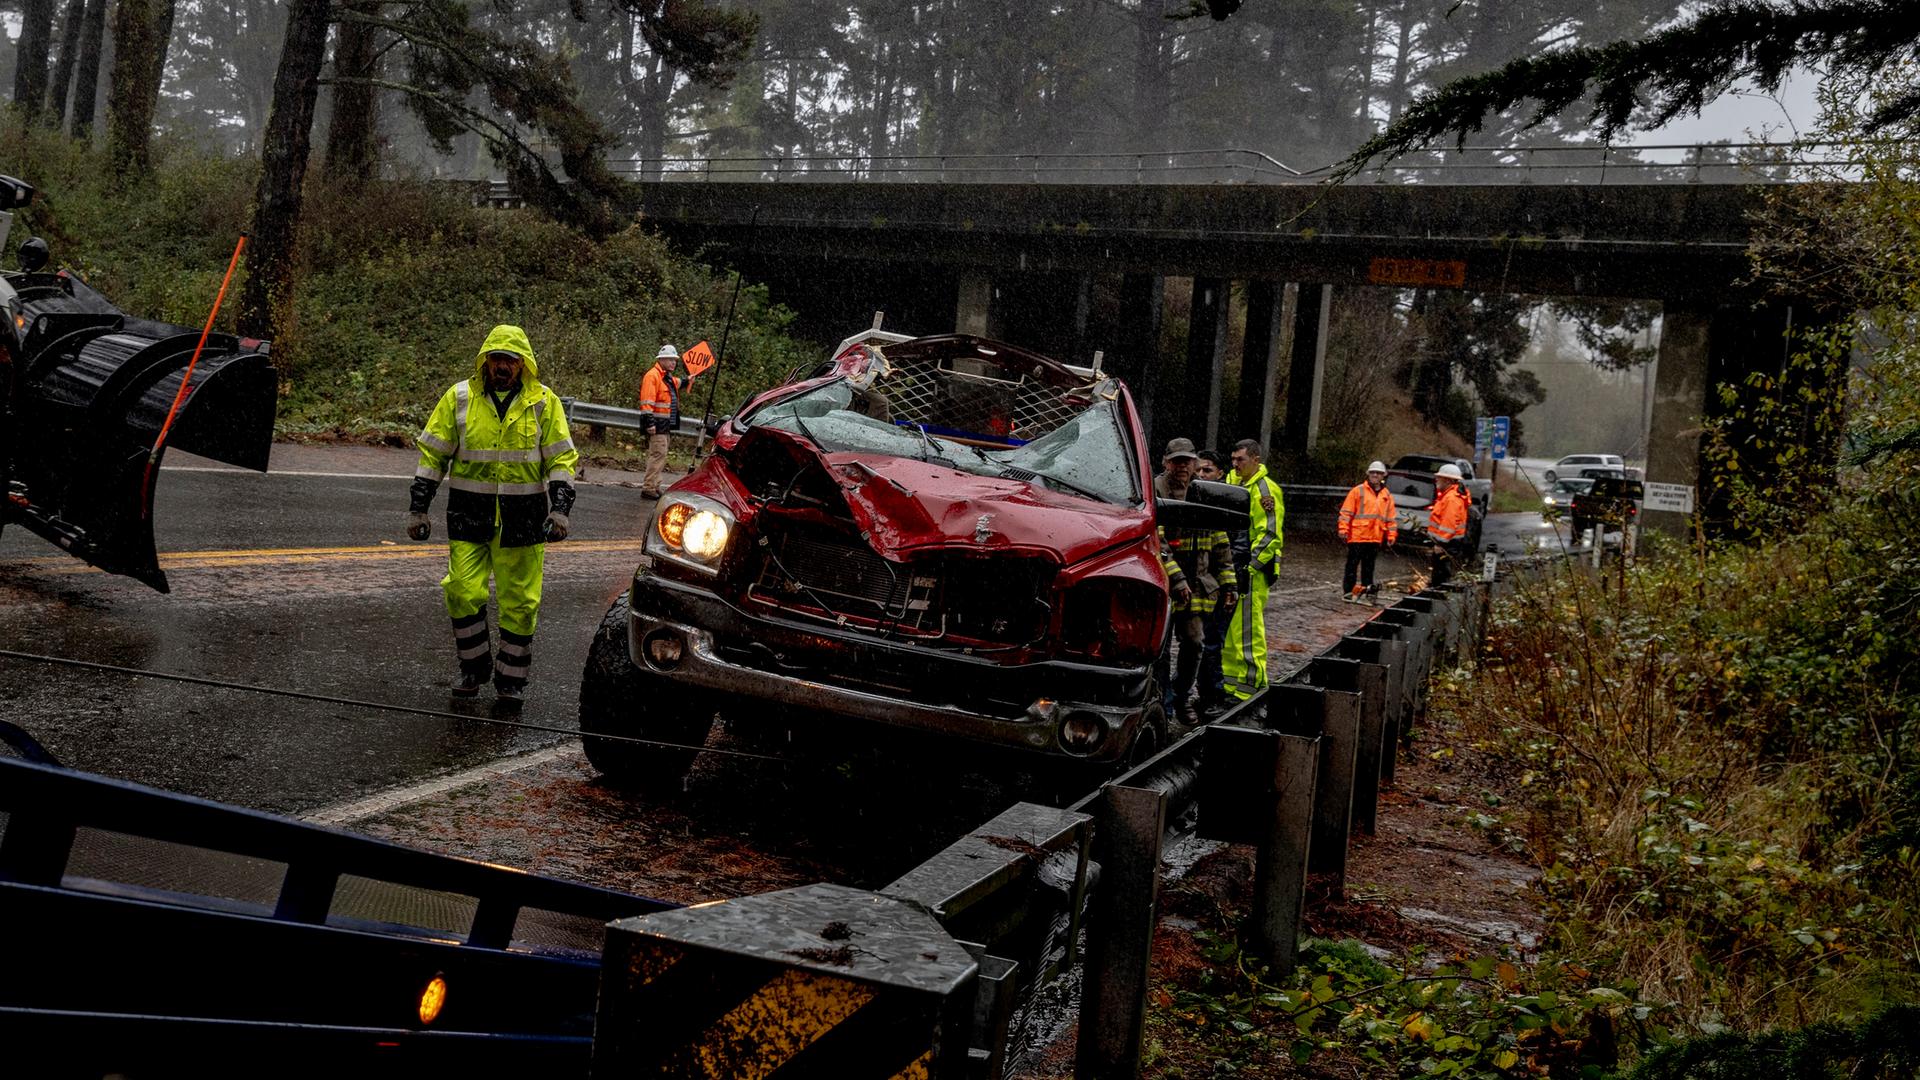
[{"x": 698, "y": 359}]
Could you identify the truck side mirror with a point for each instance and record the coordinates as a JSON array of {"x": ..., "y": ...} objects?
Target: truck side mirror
[
  {"x": 1209, "y": 505},
  {"x": 14, "y": 194}
]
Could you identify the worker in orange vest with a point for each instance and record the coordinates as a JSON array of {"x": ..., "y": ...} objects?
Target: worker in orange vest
[
  {"x": 1447, "y": 523},
  {"x": 660, "y": 391},
  {"x": 1366, "y": 523}
]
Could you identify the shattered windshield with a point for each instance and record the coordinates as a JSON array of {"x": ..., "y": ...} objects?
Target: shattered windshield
[{"x": 1084, "y": 455}]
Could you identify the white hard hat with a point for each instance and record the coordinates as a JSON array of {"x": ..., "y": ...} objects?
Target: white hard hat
[
  {"x": 1450, "y": 471},
  {"x": 1377, "y": 467},
  {"x": 667, "y": 352}
]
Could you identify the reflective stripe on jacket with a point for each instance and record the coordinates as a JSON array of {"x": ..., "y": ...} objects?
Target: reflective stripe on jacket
[
  {"x": 1367, "y": 516},
  {"x": 496, "y": 468},
  {"x": 660, "y": 398},
  {"x": 1266, "y": 519},
  {"x": 1447, "y": 518}
]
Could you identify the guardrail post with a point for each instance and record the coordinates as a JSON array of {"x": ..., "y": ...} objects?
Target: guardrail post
[
  {"x": 1396, "y": 652},
  {"x": 1378, "y": 643},
  {"x": 1415, "y": 628},
  {"x": 822, "y": 979},
  {"x": 1364, "y": 678},
  {"x": 1113, "y": 989},
  {"x": 1257, "y": 786},
  {"x": 1333, "y": 715}
]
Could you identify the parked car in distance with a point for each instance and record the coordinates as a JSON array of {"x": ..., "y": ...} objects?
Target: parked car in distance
[
  {"x": 1573, "y": 463},
  {"x": 1560, "y": 496},
  {"x": 1610, "y": 503}
]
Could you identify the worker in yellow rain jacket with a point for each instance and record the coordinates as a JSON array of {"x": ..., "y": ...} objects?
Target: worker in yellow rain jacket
[
  {"x": 500, "y": 441},
  {"x": 1367, "y": 522},
  {"x": 1196, "y": 565},
  {"x": 1243, "y": 656},
  {"x": 1447, "y": 521}
]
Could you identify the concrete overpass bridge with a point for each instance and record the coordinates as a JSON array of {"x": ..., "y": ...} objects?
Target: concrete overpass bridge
[{"x": 1028, "y": 257}]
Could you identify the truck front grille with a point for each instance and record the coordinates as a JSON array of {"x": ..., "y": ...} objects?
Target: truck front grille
[{"x": 1000, "y": 599}]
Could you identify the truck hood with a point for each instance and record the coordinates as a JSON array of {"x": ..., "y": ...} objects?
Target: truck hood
[{"x": 906, "y": 505}]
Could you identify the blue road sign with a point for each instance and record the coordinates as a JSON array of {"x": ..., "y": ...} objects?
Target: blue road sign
[
  {"x": 1502, "y": 427},
  {"x": 1482, "y": 432}
]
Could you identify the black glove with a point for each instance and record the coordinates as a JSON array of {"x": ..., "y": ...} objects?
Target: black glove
[
  {"x": 419, "y": 525},
  {"x": 560, "y": 496},
  {"x": 557, "y": 526}
]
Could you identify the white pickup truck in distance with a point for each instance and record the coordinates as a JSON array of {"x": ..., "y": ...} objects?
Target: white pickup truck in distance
[{"x": 1411, "y": 483}]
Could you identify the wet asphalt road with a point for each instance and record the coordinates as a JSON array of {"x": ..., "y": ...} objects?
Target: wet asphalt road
[{"x": 291, "y": 580}]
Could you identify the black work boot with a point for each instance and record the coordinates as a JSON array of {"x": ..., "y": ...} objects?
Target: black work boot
[
  {"x": 476, "y": 662},
  {"x": 510, "y": 666}
]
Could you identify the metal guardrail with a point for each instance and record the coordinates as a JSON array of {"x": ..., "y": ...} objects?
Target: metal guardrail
[
  {"x": 1745, "y": 162},
  {"x": 605, "y": 416},
  {"x": 1677, "y": 163}
]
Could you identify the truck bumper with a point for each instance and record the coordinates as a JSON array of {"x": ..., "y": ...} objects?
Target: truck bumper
[{"x": 831, "y": 672}]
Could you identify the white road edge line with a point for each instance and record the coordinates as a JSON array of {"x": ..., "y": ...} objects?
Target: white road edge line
[
  {"x": 374, "y": 805},
  {"x": 288, "y": 472}
]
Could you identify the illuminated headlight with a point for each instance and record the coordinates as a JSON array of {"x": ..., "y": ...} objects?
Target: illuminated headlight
[
  {"x": 1551, "y": 501},
  {"x": 691, "y": 530}
]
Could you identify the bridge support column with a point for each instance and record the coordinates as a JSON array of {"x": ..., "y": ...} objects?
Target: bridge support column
[
  {"x": 1206, "y": 355},
  {"x": 1679, "y": 404},
  {"x": 1136, "y": 352},
  {"x": 1312, "y": 311},
  {"x": 974, "y": 305},
  {"x": 1259, "y": 364}
]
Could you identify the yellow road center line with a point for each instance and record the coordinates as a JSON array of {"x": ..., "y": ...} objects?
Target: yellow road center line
[{"x": 188, "y": 560}]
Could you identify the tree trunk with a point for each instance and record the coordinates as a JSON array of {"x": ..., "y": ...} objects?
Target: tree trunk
[
  {"x": 86, "y": 90},
  {"x": 140, "y": 33},
  {"x": 63, "y": 72},
  {"x": 30, "y": 71},
  {"x": 352, "y": 131},
  {"x": 1152, "y": 76},
  {"x": 283, "y": 169},
  {"x": 1402, "y": 62},
  {"x": 654, "y": 88}
]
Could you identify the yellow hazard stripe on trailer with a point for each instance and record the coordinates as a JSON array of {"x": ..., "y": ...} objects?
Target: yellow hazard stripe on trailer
[
  {"x": 785, "y": 1016},
  {"x": 919, "y": 1069}
]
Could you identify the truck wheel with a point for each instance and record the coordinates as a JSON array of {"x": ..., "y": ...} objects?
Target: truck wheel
[
  {"x": 617, "y": 698},
  {"x": 1151, "y": 736}
]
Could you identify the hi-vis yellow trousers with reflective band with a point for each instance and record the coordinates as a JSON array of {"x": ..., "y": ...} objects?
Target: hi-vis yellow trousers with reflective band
[
  {"x": 1243, "y": 655},
  {"x": 516, "y": 573}
]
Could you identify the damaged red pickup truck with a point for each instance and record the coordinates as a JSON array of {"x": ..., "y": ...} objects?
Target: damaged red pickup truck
[{"x": 945, "y": 534}]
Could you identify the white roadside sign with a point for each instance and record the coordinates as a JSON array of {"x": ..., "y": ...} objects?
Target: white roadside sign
[{"x": 1675, "y": 497}]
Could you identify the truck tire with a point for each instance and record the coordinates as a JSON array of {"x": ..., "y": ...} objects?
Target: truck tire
[
  {"x": 617, "y": 698},
  {"x": 1151, "y": 736}
]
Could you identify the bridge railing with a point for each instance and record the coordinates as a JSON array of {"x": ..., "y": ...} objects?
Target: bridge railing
[{"x": 1744, "y": 163}]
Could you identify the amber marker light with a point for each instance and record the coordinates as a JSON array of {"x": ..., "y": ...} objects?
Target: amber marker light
[
  {"x": 673, "y": 524},
  {"x": 433, "y": 999}
]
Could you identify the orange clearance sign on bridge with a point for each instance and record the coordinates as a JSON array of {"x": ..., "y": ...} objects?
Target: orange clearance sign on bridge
[{"x": 1450, "y": 273}]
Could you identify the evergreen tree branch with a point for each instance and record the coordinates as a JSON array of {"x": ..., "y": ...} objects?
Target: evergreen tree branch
[{"x": 1676, "y": 71}]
